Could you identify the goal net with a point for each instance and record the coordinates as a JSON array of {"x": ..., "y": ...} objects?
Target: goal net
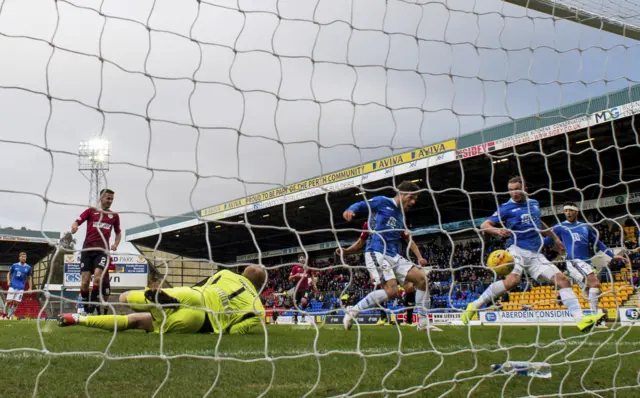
[{"x": 285, "y": 113}]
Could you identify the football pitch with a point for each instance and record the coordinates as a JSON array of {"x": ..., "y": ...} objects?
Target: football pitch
[{"x": 292, "y": 361}]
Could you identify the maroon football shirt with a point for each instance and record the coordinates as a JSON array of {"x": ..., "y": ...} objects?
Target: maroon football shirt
[{"x": 99, "y": 226}]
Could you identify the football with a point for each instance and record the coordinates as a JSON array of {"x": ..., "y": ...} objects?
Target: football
[{"x": 501, "y": 261}]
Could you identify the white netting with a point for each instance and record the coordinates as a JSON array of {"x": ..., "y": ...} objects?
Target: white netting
[{"x": 208, "y": 101}]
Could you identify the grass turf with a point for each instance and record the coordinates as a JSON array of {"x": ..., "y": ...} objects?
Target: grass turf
[{"x": 294, "y": 361}]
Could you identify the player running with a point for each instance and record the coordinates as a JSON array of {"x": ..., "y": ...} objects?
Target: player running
[
  {"x": 579, "y": 240},
  {"x": 364, "y": 241},
  {"x": 521, "y": 217},
  {"x": 95, "y": 250},
  {"x": 19, "y": 277},
  {"x": 303, "y": 282},
  {"x": 225, "y": 303},
  {"x": 387, "y": 218}
]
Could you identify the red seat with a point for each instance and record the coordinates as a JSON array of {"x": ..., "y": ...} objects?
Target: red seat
[{"x": 29, "y": 308}]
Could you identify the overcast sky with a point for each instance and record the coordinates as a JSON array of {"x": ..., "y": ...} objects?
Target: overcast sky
[{"x": 480, "y": 63}]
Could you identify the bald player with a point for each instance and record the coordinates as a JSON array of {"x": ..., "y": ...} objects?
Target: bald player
[{"x": 225, "y": 303}]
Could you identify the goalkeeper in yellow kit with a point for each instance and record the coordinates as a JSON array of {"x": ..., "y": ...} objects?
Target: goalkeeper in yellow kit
[{"x": 225, "y": 303}]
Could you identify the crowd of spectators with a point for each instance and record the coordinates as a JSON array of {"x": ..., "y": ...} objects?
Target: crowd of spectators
[
  {"x": 332, "y": 280},
  {"x": 337, "y": 281}
]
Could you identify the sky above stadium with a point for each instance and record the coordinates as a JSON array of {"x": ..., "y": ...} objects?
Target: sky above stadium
[{"x": 267, "y": 115}]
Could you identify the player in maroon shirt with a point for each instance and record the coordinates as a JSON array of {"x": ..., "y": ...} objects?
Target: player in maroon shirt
[
  {"x": 300, "y": 277},
  {"x": 95, "y": 251}
]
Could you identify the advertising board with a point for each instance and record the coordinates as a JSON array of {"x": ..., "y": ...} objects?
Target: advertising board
[{"x": 130, "y": 271}]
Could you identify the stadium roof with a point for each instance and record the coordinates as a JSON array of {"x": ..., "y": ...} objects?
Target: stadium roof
[
  {"x": 536, "y": 138},
  {"x": 35, "y": 243}
]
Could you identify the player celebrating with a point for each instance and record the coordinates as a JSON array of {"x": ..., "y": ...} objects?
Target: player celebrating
[
  {"x": 521, "y": 217},
  {"x": 225, "y": 303},
  {"x": 95, "y": 250},
  {"x": 365, "y": 241},
  {"x": 387, "y": 217},
  {"x": 579, "y": 240},
  {"x": 19, "y": 277},
  {"x": 299, "y": 292}
]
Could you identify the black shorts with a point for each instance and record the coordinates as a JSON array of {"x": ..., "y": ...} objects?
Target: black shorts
[{"x": 90, "y": 260}]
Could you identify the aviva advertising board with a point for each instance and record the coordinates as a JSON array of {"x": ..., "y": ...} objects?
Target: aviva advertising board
[{"x": 406, "y": 162}]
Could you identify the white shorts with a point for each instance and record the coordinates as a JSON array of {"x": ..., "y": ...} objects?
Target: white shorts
[
  {"x": 15, "y": 295},
  {"x": 578, "y": 271},
  {"x": 383, "y": 267},
  {"x": 535, "y": 264}
]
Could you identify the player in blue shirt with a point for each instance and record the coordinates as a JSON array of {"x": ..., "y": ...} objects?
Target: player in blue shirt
[
  {"x": 523, "y": 229},
  {"x": 18, "y": 276},
  {"x": 365, "y": 242},
  {"x": 579, "y": 240},
  {"x": 387, "y": 219}
]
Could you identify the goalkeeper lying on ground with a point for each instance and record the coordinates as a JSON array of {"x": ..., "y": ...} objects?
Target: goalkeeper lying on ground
[{"x": 225, "y": 303}]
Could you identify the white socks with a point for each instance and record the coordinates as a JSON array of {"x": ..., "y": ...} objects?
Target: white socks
[
  {"x": 594, "y": 292},
  {"x": 570, "y": 300},
  {"x": 373, "y": 299},
  {"x": 495, "y": 290}
]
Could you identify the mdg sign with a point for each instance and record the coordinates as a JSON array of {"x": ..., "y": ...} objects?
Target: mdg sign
[{"x": 608, "y": 115}]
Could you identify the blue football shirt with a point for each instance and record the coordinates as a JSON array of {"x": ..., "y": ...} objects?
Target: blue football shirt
[
  {"x": 387, "y": 220},
  {"x": 19, "y": 275},
  {"x": 523, "y": 220},
  {"x": 578, "y": 239}
]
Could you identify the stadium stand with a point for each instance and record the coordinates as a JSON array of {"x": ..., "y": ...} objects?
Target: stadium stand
[
  {"x": 37, "y": 245},
  {"x": 546, "y": 297},
  {"x": 464, "y": 189},
  {"x": 29, "y": 307}
]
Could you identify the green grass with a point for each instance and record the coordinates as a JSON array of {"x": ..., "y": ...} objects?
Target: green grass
[{"x": 131, "y": 365}]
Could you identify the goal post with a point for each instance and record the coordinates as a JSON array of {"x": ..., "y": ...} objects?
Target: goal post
[{"x": 597, "y": 16}]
